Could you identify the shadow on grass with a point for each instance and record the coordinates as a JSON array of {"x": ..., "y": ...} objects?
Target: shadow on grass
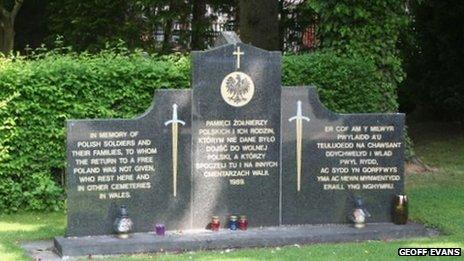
[{"x": 28, "y": 226}]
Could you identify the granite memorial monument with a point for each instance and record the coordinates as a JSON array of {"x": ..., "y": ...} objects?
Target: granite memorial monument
[{"x": 237, "y": 143}]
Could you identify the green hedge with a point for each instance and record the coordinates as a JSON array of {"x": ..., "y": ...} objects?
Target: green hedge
[
  {"x": 345, "y": 85},
  {"x": 39, "y": 94}
]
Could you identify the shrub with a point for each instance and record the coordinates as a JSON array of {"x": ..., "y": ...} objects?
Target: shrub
[
  {"x": 344, "y": 84},
  {"x": 39, "y": 94},
  {"x": 366, "y": 31}
]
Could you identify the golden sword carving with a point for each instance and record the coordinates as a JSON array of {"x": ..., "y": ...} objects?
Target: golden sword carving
[
  {"x": 175, "y": 129},
  {"x": 299, "y": 137}
]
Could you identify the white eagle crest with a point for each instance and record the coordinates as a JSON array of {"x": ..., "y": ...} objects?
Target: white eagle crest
[{"x": 237, "y": 88}]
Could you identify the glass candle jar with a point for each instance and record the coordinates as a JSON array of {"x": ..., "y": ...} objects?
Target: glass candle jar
[
  {"x": 400, "y": 210},
  {"x": 233, "y": 222},
  {"x": 160, "y": 229},
  {"x": 123, "y": 225}
]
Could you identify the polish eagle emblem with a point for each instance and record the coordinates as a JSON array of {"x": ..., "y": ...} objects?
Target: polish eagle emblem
[{"x": 237, "y": 89}]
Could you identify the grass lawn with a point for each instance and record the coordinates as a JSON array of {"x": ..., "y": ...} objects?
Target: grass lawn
[{"x": 436, "y": 199}]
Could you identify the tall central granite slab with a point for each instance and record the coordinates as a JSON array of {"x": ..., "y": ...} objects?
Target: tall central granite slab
[{"x": 236, "y": 91}]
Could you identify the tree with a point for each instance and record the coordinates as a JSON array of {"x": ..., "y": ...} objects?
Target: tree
[
  {"x": 259, "y": 23},
  {"x": 91, "y": 24},
  {"x": 7, "y": 20},
  {"x": 168, "y": 14},
  {"x": 296, "y": 18},
  {"x": 31, "y": 25},
  {"x": 369, "y": 31},
  {"x": 434, "y": 57},
  {"x": 199, "y": 25}
]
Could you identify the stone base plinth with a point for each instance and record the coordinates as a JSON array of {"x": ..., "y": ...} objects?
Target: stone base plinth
[{"x": 224, "y": 239}]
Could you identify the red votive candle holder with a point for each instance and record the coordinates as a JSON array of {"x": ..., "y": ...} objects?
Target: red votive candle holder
[
  {"x": 215, "y": 223},
  {"x": 242, "y": 223}
]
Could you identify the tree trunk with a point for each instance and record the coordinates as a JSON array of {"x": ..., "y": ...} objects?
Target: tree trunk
[
  {"x": 7, "y": 32},
  {"x": 1, "y": 36},
  {"x": 167, "y": 30},
  {"x": 7, "y": 38},
  {"x": 259, "y": 23},
  {"x": 199, "y": 25},
  {"x": 283, "y": 20},
  {"x": 167, "y": 33}
]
